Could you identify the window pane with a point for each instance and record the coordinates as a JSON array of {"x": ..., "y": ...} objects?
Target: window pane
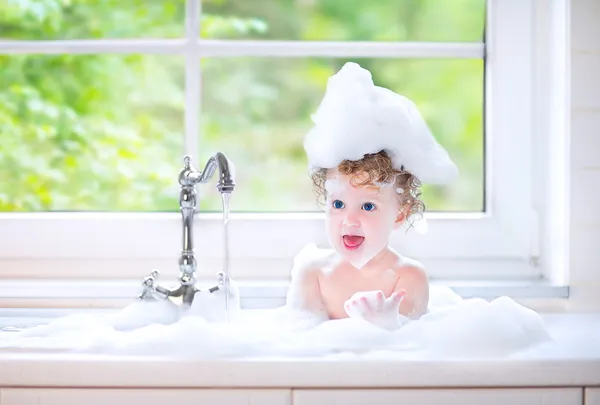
[
  {"x": 359, "y": 20},
  {"x": 100, "y": 133},
  {"x": 257, "y": 111},
  {"x": 80, "y": 19}
]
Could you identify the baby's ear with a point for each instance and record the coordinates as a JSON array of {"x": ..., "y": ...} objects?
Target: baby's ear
[{"x": 400, "y": 218}]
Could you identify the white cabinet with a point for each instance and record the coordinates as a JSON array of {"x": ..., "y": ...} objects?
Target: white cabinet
[
  {"x": 146, "y": 396},
  {"x": 592, "y": 396},
  {"x": 200, "y": 396},
  {"x": 545, "y": 396}
]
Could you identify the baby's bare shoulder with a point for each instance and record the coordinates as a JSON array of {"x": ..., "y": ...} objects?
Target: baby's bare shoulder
[{"x": 411, "y": 269}]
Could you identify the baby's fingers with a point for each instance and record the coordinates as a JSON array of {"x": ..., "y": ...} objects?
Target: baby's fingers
[
  {"x": 397, "y": 296},
  {"x": 353, "y": 308},
  {"x": 379, "y": 301},
  {"x": 348, "y": 307},
  {"x": 365, "y": 303}
]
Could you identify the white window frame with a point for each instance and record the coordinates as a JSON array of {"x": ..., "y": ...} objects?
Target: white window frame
[{"x": 502, "y": 243}]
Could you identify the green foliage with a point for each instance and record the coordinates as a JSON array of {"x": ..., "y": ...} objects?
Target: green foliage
[
  {"x": 79, "y": 19},
  {"x": 105, "y": 132}
]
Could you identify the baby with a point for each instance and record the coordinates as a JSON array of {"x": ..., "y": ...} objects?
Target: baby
[
  {"x": 362, "y": 136},
  {"x": 365, "y": 201}
]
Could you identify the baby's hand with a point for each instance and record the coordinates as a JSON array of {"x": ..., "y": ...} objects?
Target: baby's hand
[{"x": 373, "y": 307}]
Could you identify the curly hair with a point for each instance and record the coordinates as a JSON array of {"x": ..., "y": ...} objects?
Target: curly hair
[{"x": 376, "y": 169}]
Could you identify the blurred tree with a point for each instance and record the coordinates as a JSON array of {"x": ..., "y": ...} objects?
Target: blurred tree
[
  {"x": 105, "y": 132},
  {"x": 89, "y": 132}
]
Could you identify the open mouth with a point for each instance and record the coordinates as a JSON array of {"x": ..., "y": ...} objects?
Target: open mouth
[{"x": 353, "y": 241}]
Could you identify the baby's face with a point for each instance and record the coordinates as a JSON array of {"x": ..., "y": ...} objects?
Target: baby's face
[{"x": 360, "y": 220}]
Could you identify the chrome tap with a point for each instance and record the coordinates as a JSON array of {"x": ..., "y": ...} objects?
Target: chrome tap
[{"x": 188, "y": 178}]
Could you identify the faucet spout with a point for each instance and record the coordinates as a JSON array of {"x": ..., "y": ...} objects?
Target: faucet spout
[{"x": 190, "y": 177}]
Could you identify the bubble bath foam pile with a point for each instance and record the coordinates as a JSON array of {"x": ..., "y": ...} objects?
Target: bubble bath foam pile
[
  {"x": 453, "y": 327},
  {"x": 356, "y": 118}
]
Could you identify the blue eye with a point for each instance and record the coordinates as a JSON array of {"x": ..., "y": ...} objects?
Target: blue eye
[
  {"x": 337, "y": 204},
  {"x": 368, "y": 206}
]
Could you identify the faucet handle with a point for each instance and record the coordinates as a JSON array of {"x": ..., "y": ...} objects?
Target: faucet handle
[
  {"x": 149, "y": 281},
  {"x": 150, "y": 289}
]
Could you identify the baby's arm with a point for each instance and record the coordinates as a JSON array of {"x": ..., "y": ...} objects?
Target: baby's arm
[
  {"x": 415, "y": 282},
  {"x": 304, "y": 293}
]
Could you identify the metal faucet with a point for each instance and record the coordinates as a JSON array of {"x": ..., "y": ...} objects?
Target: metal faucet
[{"x": 188, "y": 178}]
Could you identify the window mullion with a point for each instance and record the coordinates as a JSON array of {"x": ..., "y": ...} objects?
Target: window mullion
[
  {"x": 94, "y": 46},
  {"x": 340, "y": 49},
  {"x": 192, "y": 20},
  {"x": 192, "y": 78},
  {"x": 228, "y": 48}
]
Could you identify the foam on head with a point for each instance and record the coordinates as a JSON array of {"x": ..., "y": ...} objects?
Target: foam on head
[
  {"x": 334, "y": 185},
  {"x": 356, "y": 118}
]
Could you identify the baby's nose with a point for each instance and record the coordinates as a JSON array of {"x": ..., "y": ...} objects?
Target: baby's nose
[{"x": 351, "y": 220}]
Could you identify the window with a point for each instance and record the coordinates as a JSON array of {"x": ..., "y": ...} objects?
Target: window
[{"x": 100, "y": 104}]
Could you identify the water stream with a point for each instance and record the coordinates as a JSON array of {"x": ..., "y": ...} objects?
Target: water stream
[{"x": 226, "y": 197}]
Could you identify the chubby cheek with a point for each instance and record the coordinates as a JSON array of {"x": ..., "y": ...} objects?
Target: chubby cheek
[
  {"x": 333, "y": 224},
  {"x": 377, "y": 228}
]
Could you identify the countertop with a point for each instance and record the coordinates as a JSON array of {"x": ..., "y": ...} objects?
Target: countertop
[{"x": 571, "y": 359}]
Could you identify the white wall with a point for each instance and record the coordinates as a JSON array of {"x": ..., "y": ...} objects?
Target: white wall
[{"x": 584, "y": 155}]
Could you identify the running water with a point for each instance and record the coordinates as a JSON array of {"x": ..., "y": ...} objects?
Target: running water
[{"x": 226, "y": 197}]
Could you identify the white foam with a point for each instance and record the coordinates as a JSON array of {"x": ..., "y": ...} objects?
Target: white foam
[
  {"x": 334, "y": 186},
  {"x": 212, "y": 307},
  {"x": 384, "y": 184},
  {"x": 356, "y": 117},
  {"x": 453, "y": 327}
]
